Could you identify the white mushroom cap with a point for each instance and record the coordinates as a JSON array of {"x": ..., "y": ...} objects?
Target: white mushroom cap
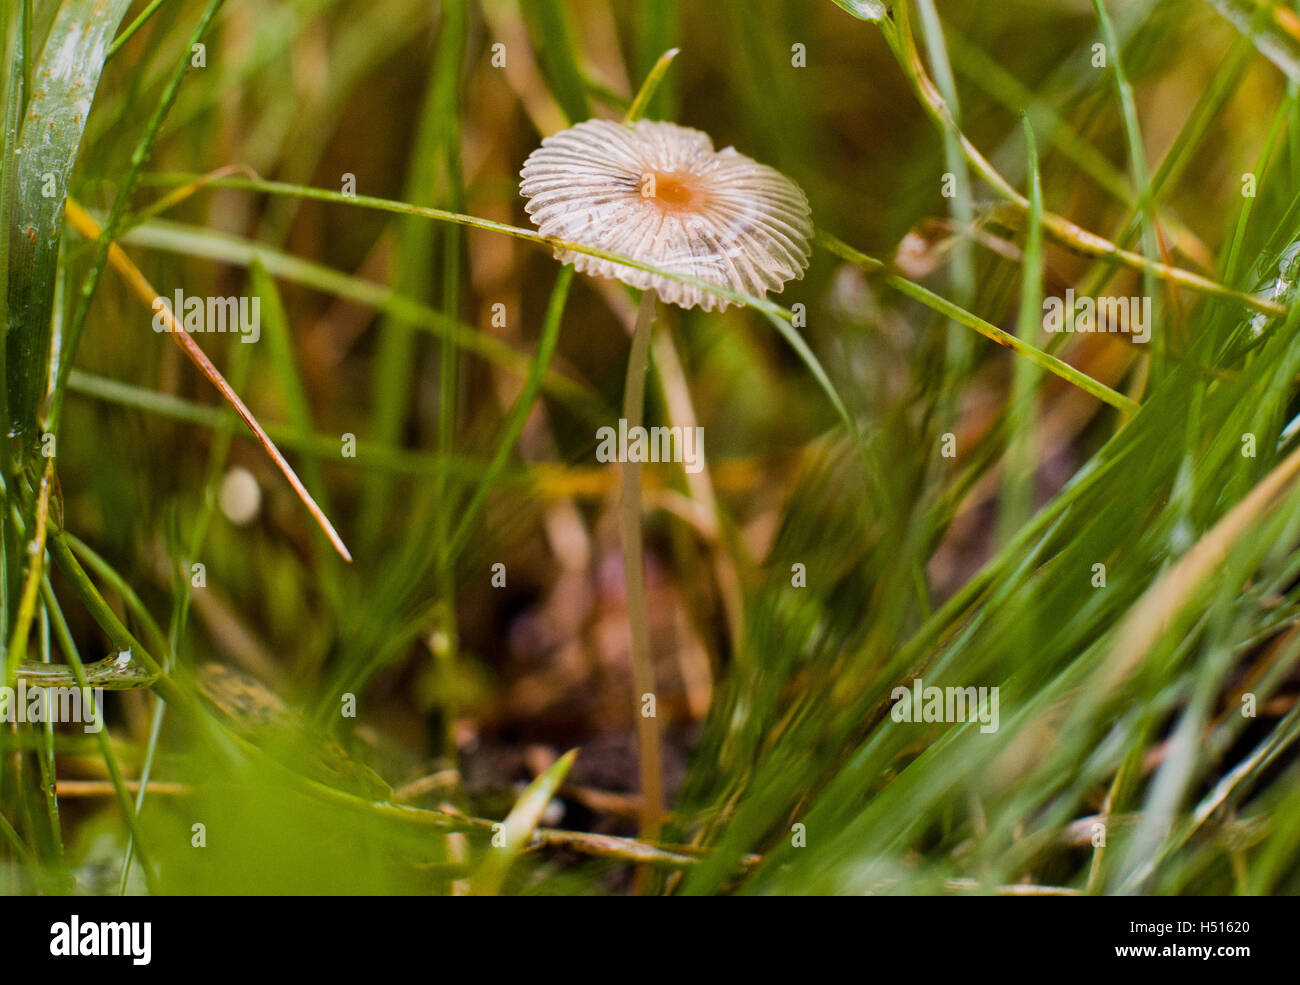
[{"x": 659, "y": 193}]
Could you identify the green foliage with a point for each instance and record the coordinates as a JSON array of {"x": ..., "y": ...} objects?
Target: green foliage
[{"x": 1102, "y": 530}]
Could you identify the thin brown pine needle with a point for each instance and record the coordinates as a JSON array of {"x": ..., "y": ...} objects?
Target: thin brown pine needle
[{"x": 85, "y": 224}]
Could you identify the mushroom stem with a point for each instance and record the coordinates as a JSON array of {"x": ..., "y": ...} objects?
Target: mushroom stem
[{"x": 652, "y": 796}]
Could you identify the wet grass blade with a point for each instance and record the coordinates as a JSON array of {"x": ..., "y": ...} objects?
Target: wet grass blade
[
  {"x": 48, "y": 142},
  {"x": 121, "y": 202}
]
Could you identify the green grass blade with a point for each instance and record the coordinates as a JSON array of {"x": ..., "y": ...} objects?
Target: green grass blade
[
  {"x": 650, "y": 87},
  {"x": 519, "y": 825},
  {"x": 48, "y": 142},
  {"x": 1021, "y": 469},
  {"x": 122, "y": 201},
  {"x": 559, "y": 56}
]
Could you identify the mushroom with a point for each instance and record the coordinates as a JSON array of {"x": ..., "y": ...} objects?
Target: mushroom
[{"x": 660, "y": 194}]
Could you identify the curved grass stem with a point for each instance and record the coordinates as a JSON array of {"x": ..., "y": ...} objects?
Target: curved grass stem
[
  {"x": 990, "y": 331},
  {"x": 779, "y": 316},
  {"x": 898, "y": 35}
]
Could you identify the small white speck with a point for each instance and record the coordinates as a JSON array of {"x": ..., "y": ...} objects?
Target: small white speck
[{"x": 240, "y": 496}]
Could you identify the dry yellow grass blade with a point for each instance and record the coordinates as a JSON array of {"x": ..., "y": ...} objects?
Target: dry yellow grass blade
[
  {"x": 85, "y": 224},
  {"x": 1148, "y": 620}
]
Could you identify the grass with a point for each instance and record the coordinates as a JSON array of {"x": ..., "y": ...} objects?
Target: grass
[{"x": 906, "y": 477}]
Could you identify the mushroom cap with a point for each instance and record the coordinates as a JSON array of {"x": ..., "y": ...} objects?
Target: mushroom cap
[{"x": 659, "y": 193}]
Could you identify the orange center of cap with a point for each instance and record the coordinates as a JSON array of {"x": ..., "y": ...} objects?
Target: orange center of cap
[{"x": 672, "y": 191}]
